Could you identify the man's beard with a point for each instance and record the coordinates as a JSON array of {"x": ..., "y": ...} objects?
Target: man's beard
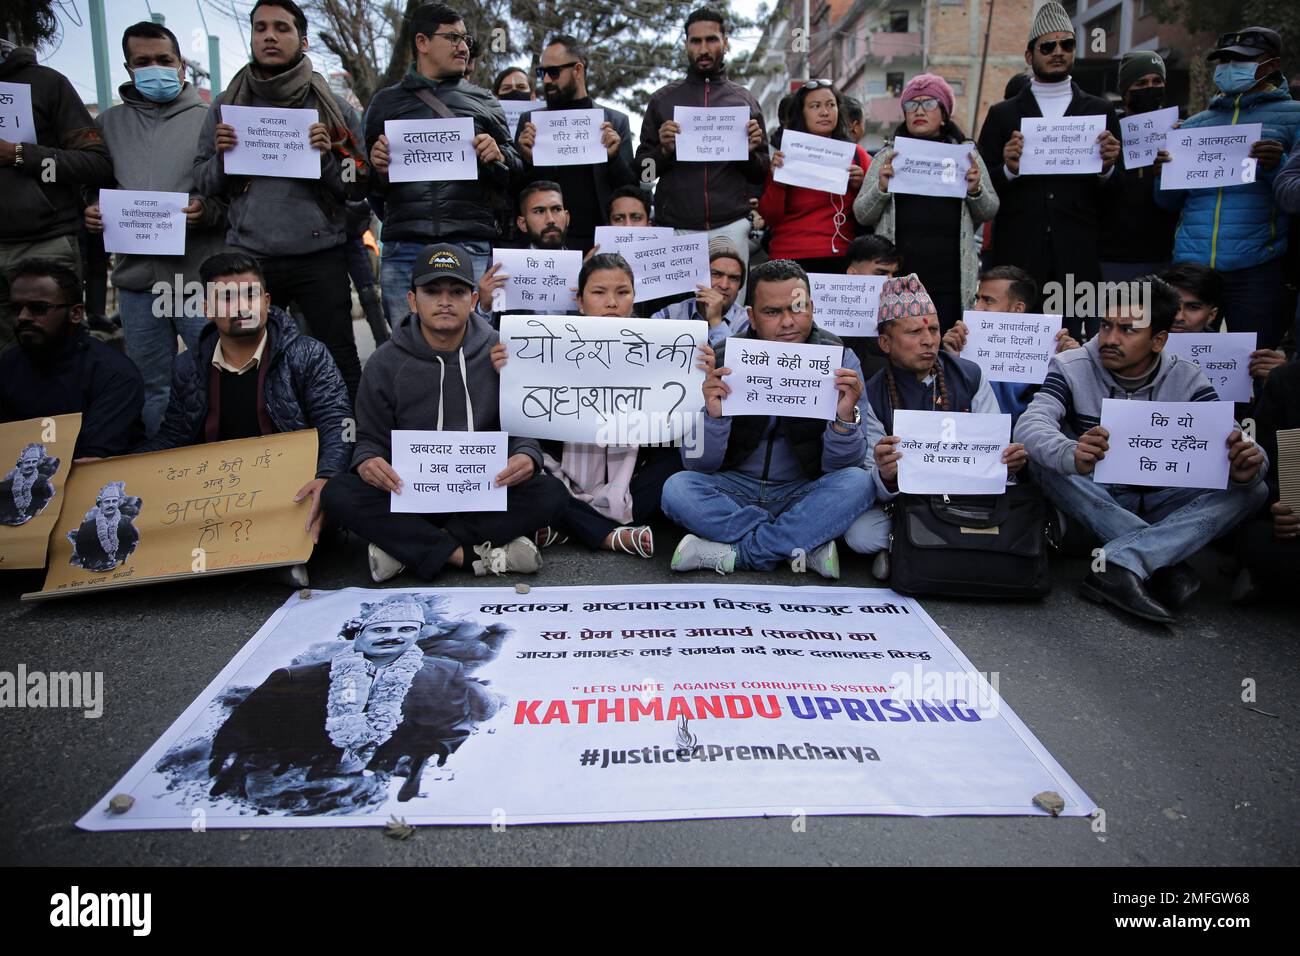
[
  {"x": 276, "y": 70},
  {"x": 562, "y": 96},
  {"x": 1041, "y": 74},
  {"x": 718, "y": 65},
  {"x": 49, "y": 344},
  {"x": 553, "y": 239}
]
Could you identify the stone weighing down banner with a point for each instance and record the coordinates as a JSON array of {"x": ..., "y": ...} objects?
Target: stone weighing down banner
[
  {"x": 1165, "y": 444},
  {"x": 147, "y": 223},
  {"x": 668, "y": 266},
  {"x": 271, "y": 142},
  {"x": 845, "y": 305},
  {"x": 1208, "y": 157},
  {"x": 431, "y": 150},
  {"x": 1144, "y": 135},
  {"x": 448, "y": 472},
  {"x": 1011, "y": 346},
  {"x": 1065, "y": 145},
  {"x": 35, "y": 458},
  {"x": 1224, "y": 357},
  {"x": 593, "y": 704},
  {"x": 787, "y": 379},
  {"x": 602, "y": 380}
]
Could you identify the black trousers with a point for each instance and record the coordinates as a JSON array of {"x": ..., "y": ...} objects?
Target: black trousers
[
  {"x": 654, "y": 466},
  {"x": 424, "y": 542},
  {"x": 318, "y": 282},
  {"x": 1271, "y": 559}
]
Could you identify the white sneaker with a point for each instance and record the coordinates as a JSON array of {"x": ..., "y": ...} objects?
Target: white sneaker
[
  {"x": 694, "y": 553},
  {"x": 520, "y": 555},
  {"x": 880, "y": 566},
  {"x": 383, "y": 565},
  {"x": 826, "y": 560}
]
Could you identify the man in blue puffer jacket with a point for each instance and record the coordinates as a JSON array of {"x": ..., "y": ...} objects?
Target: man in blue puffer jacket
[
  {"x": 255, "y": 374},
  {"x": 1237, "y": 230}
]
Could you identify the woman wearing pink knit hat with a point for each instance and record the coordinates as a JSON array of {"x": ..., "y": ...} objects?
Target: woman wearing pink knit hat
[{"x": 934, "y": 234}]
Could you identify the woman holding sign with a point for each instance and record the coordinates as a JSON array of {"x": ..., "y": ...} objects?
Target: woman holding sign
[
  {"x": 813, "y": 226},
  {"x": 932, "y": 229}
]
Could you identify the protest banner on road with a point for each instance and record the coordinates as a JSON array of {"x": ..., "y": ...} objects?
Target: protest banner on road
[
  {"x": 620, "y": 238},
  {"x": 845, "y": 305},
  {"x": 1144, "y": 135},
  {"x": 182, "y": 512},
  {"x": 668, "y": 266},
  {"x": 16, "y": 123},
  {"x": 787, "y": 379},
  {"x": 1208, "y": 157},
  {"x": 143, "y": 222},
  {"x": 431, "y": 150},
  {"x": 1011, "y": 346},
  {"x": 1065, "y": 145},
  {"x": 815, "y": 162},
  {"x": 568, "y": 138},
  {"x": 592, "y": 704},
  {"x": 1165, "y": 444},
  {"x": 271, "y": 142},
  {"x": 1224, "y": 357},
  {"x": 925, "y": 168},
  {"x": 602, "y": 380},
  {"x": 31, "y": 489},
  {"x": 448, "y": 472},
  {"x": 711, "y": 135},
  {"x": 541, "y": 280},
  {"x": 951, "y": 453}
]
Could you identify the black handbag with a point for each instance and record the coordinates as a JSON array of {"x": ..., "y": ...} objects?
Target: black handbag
[{"x": 985, "y": 546}]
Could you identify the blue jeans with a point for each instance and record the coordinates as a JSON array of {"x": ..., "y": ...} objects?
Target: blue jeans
[
  {"x": 1146, "y": 529},
  {"x": 767, "y": 521},
  {"x": 395, "y": 271},
  {"x": 151, "y": 345}
]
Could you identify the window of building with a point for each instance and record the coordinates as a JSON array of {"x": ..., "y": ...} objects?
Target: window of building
[
  {"x": 875, "y": 87},
  {"x": 897, "y": 21},
  {"x": 894, "y": 83}
]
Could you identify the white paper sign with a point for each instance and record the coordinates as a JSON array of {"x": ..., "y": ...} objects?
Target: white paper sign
[
  {"x": 925, "y": 168},
  {"x": 787, "y": 379},
  {"x": 845, "y": 305},
  {"x": 1059, "y": 146},
  {"x": 541, "y": 280},
  {"x": 711, "y": 135},
  {"x": 448, "y": 472},
  {"x": 815, "y": 162},
  {"x": 1224, "y": 357},
  {"x": 1011, "y": 346},
  {"x": 668, "y": 266},
  {"x": 515, "y": 109},
  {"x": 601, "y": 380},
  {"x": 620, "y": 238},
  {"x": 145, "y": 223},
  {"x": 568, "y": 138},
  {"x": 16, "y": 123},
  {"x": 951, "y": 453},
  {"x": 1144, "y": 135},
  {"x": 1165, "y": 444},
  {"x": 431, "y": 150},
  {"x": 1210, "y": 156},
  {"x": 271, "y": 142}
]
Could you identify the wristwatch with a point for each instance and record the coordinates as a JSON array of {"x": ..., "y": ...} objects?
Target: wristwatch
[
  {"x": 857, "y": 418},
  {"x": 18, "y": 155}
]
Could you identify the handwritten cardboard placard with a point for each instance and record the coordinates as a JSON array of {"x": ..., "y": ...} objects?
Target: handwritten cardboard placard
[
  {"x": 951, "y": 453},
  {"x": 184, "y": 512},
  {"x": 621, "y": 238},
  {"x": 1058, "y": 146},
  {"x": 1144, "y": 135},
  {"x": 1224, "y": 357},
  {"x": 845, "y": 305},
  {"x": 16, "y": 124},
  {"x": 925, "y": 168},
  {"x": 31, "y": 490},
  {"x": 1210, "y": 156},
  {"x": 271, "y": 142},
  {"x": 787, "y": 379},
  {"x": 668, "y": 266},
  {"x": 815, "y": 162},
  {"x": 540, "y": 280},
  {"x": 1165, "y": 444},
  {"x": 448, "y": 472},
  {"x": 711, "y": 134},
  {"x": 1011, "y": 346},
  {"x": 602, "y": 380},
  {"x": 147, "y": 223},
  {"x": 431, "y": 150},
  {"x": 568, "y": 138}
]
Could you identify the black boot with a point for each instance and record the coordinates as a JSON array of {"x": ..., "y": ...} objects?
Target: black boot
[
  {"x": 1125, "y": 590},
  {"x": 374, "y": 310},
  {"x": 1174, "y": 586}
]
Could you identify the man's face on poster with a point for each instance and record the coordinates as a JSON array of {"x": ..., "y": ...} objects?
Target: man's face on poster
[
  {"x": 109, "y": 505},
  {"x": 28, "y": 463},
  {"x": 387, "y": 640},
  {"x": 237, "y": 304}
]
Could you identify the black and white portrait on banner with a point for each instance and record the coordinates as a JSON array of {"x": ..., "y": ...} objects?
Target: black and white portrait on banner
[
  {"x": 28, "y": 487},
  {"x": 107, "y": 536}
]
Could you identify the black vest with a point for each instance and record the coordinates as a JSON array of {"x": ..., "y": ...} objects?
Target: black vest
[{"x": 961, "y": 377}]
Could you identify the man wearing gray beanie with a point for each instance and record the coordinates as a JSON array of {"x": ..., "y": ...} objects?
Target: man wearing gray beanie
[{"x": 717, "y": 303}]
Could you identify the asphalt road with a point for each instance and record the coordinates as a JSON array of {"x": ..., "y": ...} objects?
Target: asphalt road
[{"x": 1149, "y": 721}]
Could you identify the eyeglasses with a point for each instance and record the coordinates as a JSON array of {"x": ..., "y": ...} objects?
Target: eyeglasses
[
  {"x": 554, "y": 72},
  {"x": 456, "y": 39},
  {"x": 927, "y": 103},
  {"x": 818, "y": 85},
  {"x": 1049, "y": 46},
  {"x": 38, "y": 309}
]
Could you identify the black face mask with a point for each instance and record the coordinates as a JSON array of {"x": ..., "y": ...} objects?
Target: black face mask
[
  {"x": 514, "y": 95},
  {"x": 1146, "y": 100}
]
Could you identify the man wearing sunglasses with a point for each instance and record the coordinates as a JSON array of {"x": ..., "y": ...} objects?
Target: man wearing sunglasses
[
  {"x": 562, "y": 78},
  {"x": 464, "y": 212},
  {"x": 1048, "y": 225},
  {"x": 59, "y": 368}
]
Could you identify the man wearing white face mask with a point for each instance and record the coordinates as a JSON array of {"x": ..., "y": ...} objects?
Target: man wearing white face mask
[
  {"x": 1238, "y": 230},
  {"x": 151, "y": 137}
]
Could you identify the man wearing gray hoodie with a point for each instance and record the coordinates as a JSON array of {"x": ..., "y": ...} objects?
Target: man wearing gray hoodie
[
  {"x": 1146, "y": 533},
  {"x": 436, "y": 373},
  {"x": 150, "y": 137}
]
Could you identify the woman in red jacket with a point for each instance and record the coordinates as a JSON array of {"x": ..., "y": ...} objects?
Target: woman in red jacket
[{"x": 808, "y": 225}]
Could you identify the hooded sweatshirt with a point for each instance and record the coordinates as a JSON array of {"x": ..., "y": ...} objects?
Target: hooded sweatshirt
[
  {"x": 1069, "y": 403},
  {"x": 142, "y": 137},
  {"x": 407, "y": 384}
]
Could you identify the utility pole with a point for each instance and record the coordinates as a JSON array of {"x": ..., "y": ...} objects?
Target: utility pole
[{"x": 99, "y": 47}]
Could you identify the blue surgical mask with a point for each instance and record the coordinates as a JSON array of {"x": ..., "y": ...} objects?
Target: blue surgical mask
[
  {"x": 162, "y": 84},
  {"x": 1236, "y": 77}
]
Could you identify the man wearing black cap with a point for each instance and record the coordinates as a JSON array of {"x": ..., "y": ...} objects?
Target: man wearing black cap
[
  {"x": 439, "y": 341},
  {"x": 1238, "y": 230}
]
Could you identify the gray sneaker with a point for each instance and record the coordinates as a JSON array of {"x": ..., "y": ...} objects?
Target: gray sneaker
[
  {"x": 519, "y": 555},
  {"x": 383, "y": 565},
  {"x": 826, "y": 560},
  {"x": 694, "y": 553}
]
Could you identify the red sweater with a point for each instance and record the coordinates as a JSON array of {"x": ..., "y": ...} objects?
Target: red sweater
[{"x": 802, "y": 220}]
